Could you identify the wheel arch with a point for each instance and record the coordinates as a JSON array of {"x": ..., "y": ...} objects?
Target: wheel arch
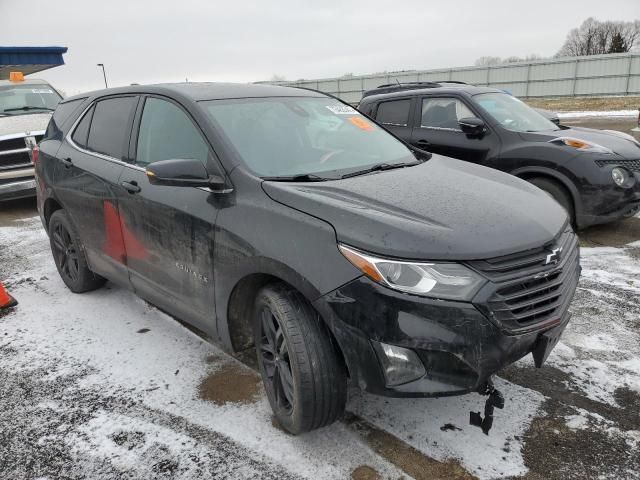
[
  {"x": 236, "y": 329},
  {"x": 527, "y": 173},
  {"x": 50, "y": 206}
]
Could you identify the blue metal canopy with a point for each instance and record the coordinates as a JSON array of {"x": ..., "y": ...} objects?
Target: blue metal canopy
[{"x": 29, "y": 59}]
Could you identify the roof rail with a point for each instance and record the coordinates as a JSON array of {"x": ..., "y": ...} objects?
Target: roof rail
[
  {"x": 402, "y": 84},
  {"x": 452, "y": 81},
  {"x": 399, "y": 87}
]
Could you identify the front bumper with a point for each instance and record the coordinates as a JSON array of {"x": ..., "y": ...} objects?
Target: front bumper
[
  {"x": 460, "y": 344},
  {"x": 18, "y": 189},
  {"x": 602, "y": 201}
]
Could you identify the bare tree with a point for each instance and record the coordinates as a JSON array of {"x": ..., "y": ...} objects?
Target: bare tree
[
  {"x": 277, "y": 78},
  {"x": 594, "y": 38},
  {"x": 488, "y": 61},
  {"x": 484, "y": 61}
]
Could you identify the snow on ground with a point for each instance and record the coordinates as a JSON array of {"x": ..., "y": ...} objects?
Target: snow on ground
[
  {"x": 85, "y": 380},
  {"x": 607, "y": 113},
  {"x": 604, "y": 360},
  {"x": 90, "y": 342}
]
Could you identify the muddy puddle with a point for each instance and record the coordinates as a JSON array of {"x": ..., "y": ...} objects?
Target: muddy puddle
[
  {"x": 411, "y": 461},
  {"x": 231, "y": 383},
  {"x": 615, "y": 234},
  {"x": 365, "y": 472}
]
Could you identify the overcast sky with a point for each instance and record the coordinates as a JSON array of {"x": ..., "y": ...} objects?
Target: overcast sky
[{"x": 147, "y": 41}]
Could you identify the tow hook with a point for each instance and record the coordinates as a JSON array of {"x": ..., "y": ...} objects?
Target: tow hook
[{"x": 495, "y": 400}]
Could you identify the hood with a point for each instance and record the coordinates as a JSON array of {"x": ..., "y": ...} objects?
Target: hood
[
  {"x": 615, "y": 142},
  {"x": 31, "y": 122},
  {"x": 443, "y": 209}
]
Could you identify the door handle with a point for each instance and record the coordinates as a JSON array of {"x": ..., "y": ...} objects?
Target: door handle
[
  {"x": 67, "y": 162},
  {"x": 131, "y": 187},
  {"x": 423, "y": 143}
]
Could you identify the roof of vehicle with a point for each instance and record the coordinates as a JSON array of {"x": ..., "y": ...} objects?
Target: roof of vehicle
[
  {"x": 435, "y": 89},
  {"x": 26, "y": 81},
  {"x": 198, "y": 91}
]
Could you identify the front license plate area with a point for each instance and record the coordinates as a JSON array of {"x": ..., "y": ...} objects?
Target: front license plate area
[{"x": 547, "y": 342}]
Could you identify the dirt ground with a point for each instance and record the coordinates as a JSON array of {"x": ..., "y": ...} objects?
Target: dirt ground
[{"x": 586, "y": 104}]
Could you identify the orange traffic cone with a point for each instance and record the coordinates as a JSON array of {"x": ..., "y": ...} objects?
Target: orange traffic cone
[{"x": 6, "y": 300}]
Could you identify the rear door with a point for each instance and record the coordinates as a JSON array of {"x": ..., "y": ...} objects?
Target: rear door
[
  {"x": 395, "y": 115},
  {"x": 169, "y": 231},
  {"x": 436, "y": 129},
  {"x": 86, "y": 181}
]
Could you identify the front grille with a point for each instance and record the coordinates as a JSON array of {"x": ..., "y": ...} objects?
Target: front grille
[
  {"x": 527, "y": 293},
  {"x": 12, "y": 144},
  {"x": 633, "y": 165},
  {"x": 14, "y": 153},
  {"x": 532, "y": 261}
]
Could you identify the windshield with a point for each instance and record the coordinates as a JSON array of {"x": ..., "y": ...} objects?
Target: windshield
[
  {"x": 293, "y": 136},
  {"x": 513, "y": 114},
  {"x": 27, "y": 98}
]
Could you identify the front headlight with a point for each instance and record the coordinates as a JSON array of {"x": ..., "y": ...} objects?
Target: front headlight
[
  {"x": 582, "y": 145},
  {"x": 439, "y": 280}
]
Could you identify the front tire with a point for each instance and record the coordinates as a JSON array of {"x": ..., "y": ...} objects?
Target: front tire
[
  {"x": 303, "y": 375},
  {"x": 68, "y": 255}
]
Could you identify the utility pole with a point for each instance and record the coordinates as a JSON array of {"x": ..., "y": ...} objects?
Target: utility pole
[{"x": 104, "y": 74}]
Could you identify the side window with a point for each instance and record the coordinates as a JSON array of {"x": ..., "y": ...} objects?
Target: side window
[
  {"x": 395, "y": 112},
  {"x": 109, "y": 128},
  {"x": 443, "y": 113},
  {"x": 81, "y": 132},
  {"x": 166, "y": 132}
]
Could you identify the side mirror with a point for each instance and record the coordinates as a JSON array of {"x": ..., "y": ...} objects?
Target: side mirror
[
  {"x": 186, "y": 172},
  {"x": 472, "y": 126}
]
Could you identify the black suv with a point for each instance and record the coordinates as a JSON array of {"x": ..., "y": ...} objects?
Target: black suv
[
  {"x": 593, "y": 174},
  {"x": 283, "y": 219}
]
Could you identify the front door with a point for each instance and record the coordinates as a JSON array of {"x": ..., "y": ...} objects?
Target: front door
[
  {"x": 436, "y": 129},
  {"x": 169, "y": 231},
  {"x": 87, "y": 182}
]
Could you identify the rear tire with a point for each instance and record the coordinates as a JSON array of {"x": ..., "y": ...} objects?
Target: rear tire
[
  {"x": 558, "y": 193},
  {"x": 68, "y": 255},
  {"x": 303, "y": 375}
]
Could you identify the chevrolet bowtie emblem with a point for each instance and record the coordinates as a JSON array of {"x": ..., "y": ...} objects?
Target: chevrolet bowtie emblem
[{"x": 554, "y": 256}]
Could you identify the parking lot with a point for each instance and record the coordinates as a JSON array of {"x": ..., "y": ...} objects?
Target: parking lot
[{"x": 103, "y": 385}]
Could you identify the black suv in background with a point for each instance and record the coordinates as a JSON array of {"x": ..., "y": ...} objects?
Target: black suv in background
[
  {"x": 593, "y": 174},
  {"x": 282, "y": 219}
]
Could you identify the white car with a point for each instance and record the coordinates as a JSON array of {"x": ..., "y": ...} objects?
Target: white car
[{"x": 26, "y": 107}]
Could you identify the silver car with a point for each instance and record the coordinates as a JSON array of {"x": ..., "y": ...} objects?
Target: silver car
[{"x": 26, "y": 107}]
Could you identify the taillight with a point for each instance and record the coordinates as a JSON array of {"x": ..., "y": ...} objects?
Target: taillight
[{"x": 35, "y": 154}]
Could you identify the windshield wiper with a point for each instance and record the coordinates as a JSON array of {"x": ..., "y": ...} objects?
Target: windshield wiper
[
  {"x": 27, "y": 107},
  {"x": 380, "y": 167},
  {"x": 304, "y": 177}
]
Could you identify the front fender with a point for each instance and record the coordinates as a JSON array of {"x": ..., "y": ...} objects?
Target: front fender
[{"x": 531, "y": 171}]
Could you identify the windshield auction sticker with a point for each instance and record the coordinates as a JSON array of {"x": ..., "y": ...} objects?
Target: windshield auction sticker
[
  {"x": 342, "y": 109},
  {"x": 361, "y": 123},
  {"x": 41, "y": 90}
]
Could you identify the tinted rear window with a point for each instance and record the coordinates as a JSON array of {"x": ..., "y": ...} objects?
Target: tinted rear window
[
  {"x": 394, "y": 113},
  {"x": 82, "y": 130},
  {"x": 110, "y": 126}
]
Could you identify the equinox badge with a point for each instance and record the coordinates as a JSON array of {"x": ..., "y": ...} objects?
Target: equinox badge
[{"x": 554, "y": 256}]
